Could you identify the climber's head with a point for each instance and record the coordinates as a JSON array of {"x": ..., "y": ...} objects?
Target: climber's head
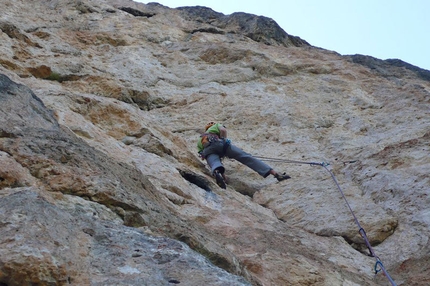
[{"x": 209, "y": 125}]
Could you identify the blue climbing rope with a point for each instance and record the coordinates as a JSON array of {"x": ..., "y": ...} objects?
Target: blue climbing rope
[{"x": 378, "y": 264}]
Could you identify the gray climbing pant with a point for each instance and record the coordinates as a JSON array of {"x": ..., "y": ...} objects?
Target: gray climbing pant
[{"x": 216, "y": 150}]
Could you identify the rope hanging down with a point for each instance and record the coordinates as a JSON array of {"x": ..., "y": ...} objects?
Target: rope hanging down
[{"x": 378, "y": 265}]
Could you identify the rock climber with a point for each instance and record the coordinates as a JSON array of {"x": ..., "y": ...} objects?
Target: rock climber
[{"x": 213, "y": 145}]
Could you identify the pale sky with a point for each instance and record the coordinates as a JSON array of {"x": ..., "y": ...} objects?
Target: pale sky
[{"x": 384, "y": 29}]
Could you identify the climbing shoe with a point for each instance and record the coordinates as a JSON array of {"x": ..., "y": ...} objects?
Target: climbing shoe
[
  {"x": 282, "y": 177},
  {"x": 219, "y": 180}
]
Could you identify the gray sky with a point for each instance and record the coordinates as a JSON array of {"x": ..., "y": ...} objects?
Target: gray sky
[{"x": 384, "y": 29}]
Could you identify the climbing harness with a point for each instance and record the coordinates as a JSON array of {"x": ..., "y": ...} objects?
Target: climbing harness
[
  {"x": 208, "y": 138},
  {"x": 378, "y": 265},
  {"x": 227, "y": 143}
]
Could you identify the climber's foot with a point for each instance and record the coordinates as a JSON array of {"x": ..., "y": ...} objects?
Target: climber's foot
[
  {"x": 281, "y": 177},
  {"x": 219, "y": 179}
]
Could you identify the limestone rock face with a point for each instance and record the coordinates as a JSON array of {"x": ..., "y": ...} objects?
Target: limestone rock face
[{"x": 101, "y": 107}]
